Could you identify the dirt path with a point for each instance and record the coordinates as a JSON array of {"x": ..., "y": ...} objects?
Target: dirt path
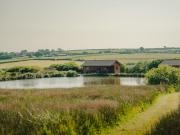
[{"x": 142, "y": 122}]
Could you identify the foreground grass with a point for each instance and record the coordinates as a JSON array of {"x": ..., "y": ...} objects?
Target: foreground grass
[
  {"x": 142, "y": 122},
  {"x": 167, "y": 125},
  {"x": 81, "y": 111}
]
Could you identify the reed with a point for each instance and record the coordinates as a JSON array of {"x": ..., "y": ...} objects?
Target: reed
[{"x": 75, "y": 111}]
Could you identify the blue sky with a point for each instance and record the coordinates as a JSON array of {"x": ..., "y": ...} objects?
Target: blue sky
[{"x": 79, "y": 24}]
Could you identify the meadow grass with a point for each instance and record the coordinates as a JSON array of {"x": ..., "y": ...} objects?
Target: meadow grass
[
  {"x": 167, "y": 125},
  {"x": 75, "y": 111}
]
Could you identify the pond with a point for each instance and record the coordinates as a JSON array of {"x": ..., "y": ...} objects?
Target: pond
[{"x": 71, "y": 82}]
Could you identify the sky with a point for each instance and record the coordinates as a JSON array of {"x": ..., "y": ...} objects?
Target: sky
[{"x": 86, "y": 24}]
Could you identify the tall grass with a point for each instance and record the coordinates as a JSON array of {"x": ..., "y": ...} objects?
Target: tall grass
[
  {"x": 168, "y": 125},
  {"x": 75, "y": 111}
]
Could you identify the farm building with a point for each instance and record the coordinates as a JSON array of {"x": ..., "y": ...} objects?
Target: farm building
[
  {"x": 101, "y": 66},
  {"x": 173, "y": 63}
]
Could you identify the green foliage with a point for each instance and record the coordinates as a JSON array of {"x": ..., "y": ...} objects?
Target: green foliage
[
  {"x": 23, "y": 69},
  {"x": 154, "y": 64},
  {"x": 66, "y": 67},
  {"x": 14, "y": 73},
  {"x": 168, "y": 125},
  {"x": 171, "y": 89},
  {"x": 164, "y": 74},
  {"x": 71, "y": 73},
  {"x": 5, "y": 55},
  {"x": 142, "y": 67},
  {"x": 123, "y": 68}
]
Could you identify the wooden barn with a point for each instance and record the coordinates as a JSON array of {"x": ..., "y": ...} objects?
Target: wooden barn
[
  {"x": 173, "y": 63},
  {"x": 101, "y": 66}
]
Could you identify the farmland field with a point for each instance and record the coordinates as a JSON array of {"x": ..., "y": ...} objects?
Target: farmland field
[
  {"x": 123, "y": 58},
  {"x": 36, "y": 63},
  {"x": 129, "y": 58},
  {"x": 74, "y": 111}
]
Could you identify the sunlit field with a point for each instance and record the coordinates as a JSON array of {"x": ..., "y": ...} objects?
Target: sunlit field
[{"x": 36, "y": 63}]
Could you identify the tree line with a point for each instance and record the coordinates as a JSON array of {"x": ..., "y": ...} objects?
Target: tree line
[{"x": 61, "y": 52}]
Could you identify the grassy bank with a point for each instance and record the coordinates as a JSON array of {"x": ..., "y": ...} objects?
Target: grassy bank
[
  {"x": 168, "y": 125},
  {"x": 76, "y": 111}
]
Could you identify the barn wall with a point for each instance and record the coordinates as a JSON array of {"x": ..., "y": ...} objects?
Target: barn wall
[
  {"x": 98, "y": 69},
  {"x": 116, "y": 68}
]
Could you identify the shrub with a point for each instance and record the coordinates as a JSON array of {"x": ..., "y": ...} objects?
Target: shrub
[
  {"x": 154, "y": 64},
  {"x": 26, "y": 76},
  {"x": 71, "y": 73},
  {"x": 163, "y": 74},
  {"x": 23, "y": 69},
  {"x": 66, "y": 66},
  {"x": 142, "y": 67}
]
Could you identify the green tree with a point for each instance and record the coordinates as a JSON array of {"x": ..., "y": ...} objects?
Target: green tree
[{"x": 164, "y": 74}]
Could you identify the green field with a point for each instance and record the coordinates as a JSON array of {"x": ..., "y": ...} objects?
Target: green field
[
  {"x": 75, "y": 111},
  {"x": 123, "y": 58},
  {"x": 128, "y": 58}
]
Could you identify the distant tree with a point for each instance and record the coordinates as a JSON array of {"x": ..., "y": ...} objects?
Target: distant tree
[
  {"x": 24, "y": 52},
  {"x": 5, "y": 55},
  {"x": 154, "y": 64},
  {"x": 60, "y": 50},
  {"x": 141, "y": 49}
]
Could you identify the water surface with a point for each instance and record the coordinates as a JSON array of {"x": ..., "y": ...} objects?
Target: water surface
[{"x": 70, "y": 82}]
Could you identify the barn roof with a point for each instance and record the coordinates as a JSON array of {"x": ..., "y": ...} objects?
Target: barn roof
[
  {"x": 100, "y": 62},
  {"x": 175, "y": 62}
]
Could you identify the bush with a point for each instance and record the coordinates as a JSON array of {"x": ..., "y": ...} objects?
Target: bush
[
  {"x": 26, "y": 76},
  {"x": 66, "y": 67},
  {"x": 142, "y": 67},
  {"x": 50, "y": 73},
  {"x": 154, "y": 64},
  {"x": 164, "y": 74},
  {"x": 23, "y": 69},
  {"x": 71, "y": 73}
]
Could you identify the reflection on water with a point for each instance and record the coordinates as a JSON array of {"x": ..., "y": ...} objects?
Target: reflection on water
[{"x": 70, "y": 82}]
